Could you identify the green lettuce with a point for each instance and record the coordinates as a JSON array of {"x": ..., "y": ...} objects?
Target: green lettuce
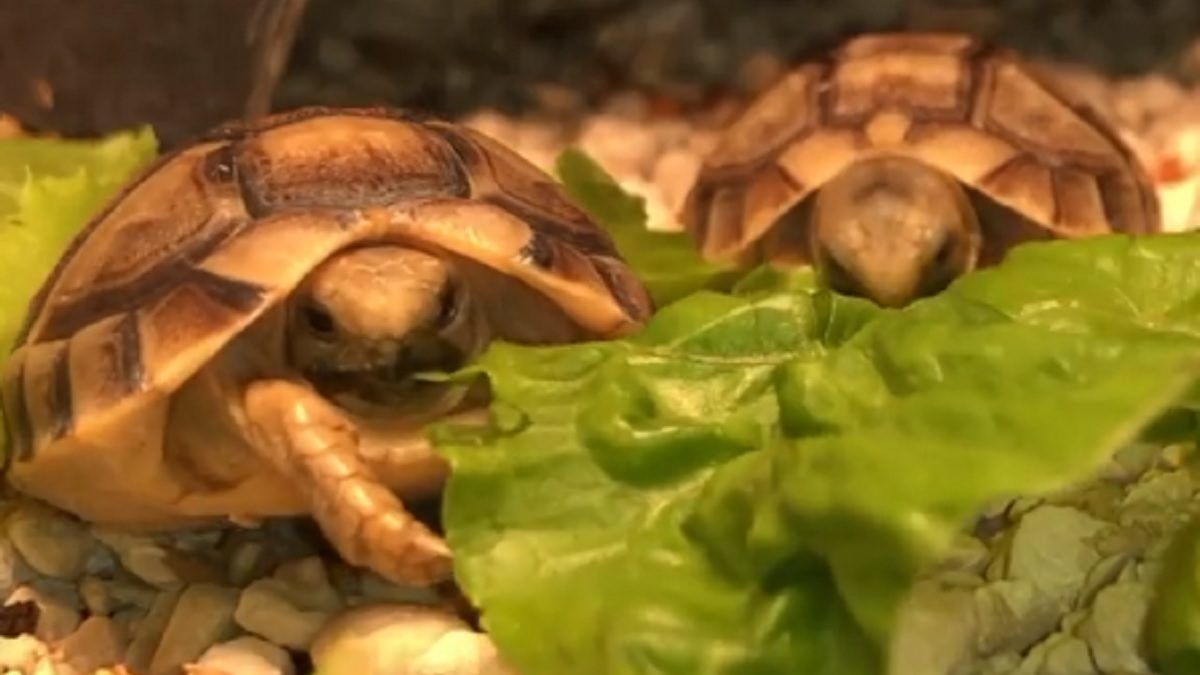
[
  {"x": 49, "y": 188},
  {"x": 666, "y": 262},
  {"x": 1174, "y": 618},
  {"x": 751, "y": 484}
]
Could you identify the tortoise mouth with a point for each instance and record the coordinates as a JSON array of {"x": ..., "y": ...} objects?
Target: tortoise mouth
[{"x": 394, "y": 386}]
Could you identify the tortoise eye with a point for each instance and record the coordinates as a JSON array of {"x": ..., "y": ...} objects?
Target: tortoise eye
[
  {"x": 945, "y": 253},
  {"x": 448, "y": 307},
  {"x": 319, "y": 320}
]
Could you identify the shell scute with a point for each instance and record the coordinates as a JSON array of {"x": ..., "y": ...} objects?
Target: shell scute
[
  {"x": 213, "y": 235},
  {"x": 345, "y": 162},
  {"x": 976, "y": 112}
]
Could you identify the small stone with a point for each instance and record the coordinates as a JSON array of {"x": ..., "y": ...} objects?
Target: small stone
[
  {"x": 265, "y": 609},
  {"x": 344, "y": 579},
  {"x": 246, "y": 656},
  {"x": 1176, "y": 456},
  {"x": 1052, "y": 549},
  {"x": 155, "y": 563},
  {"x": 377, "y": 589},
  {"x": 1073, "y": 619},
  {"x": 21, "y": 654},
  {"x": 629, "y": 105},
  {"x": 1100, "y": 499},
  {"x": 625, "y": 148},
  {"x": 1068, "y": 656},
  {"x": 306, "y": 584},
  {"x": 128, "y": 591},
  {"x": 248, "y": 561},
  {"x": 128, "y": 619},
  {"x": 51, "y": 542},
  {"x": 388, "y": 639},
  {"x": 461, "y": 652},
  {"x": 14, "y": 571},
  {"x": 98, "y": 642},
  {"x": 674, "y": 173},
  {"x": 1157, "y": 498},
  {"x": 1004, "y": 663},
  {"x": 557, "y": 100},
  {"x": 1114, "y": 628},
  {"x": 142, "y": 556},
  {"x": 95, "y": 595},
  {"x": 202, "y": 617},
  {"x": 149, "y": 630},
  {"x": 1012, "y": 614},
  {"x": 1130, "y": 462},
  {"x": 1103, "y": 573},
  {"x": 56, "y": 618},
  {"x": 934, "y": 610}
]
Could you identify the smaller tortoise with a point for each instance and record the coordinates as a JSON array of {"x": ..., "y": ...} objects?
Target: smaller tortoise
[
  {"x": 903, "y": 161},
  {"x": 238, "y": 333}
]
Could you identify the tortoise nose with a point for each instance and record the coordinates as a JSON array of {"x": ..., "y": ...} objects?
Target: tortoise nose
[{"x": 888, "y": 285}]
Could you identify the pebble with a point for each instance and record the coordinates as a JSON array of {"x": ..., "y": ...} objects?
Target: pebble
[
  {"x": 248, "y": 561},
  {"x": 1052, "y": 549},
  {"x": 149, "y": 631},
  {"x": 623, "y": 147},
  {"x": 674, "y": 173},
  {"x": 57, "y": 618},
  {"x": 1059, "y": 654},
  {"x": 1114, "y": 628},
  {"x": 392, "y": 639},
  {"x": 51, "y": 542},
  {"x": 1012, "y": 614},
  {"x": 264, "y": 608},
  {"x": 156, "y": 563},
  {"x": 932, "y": 609},
  {"x": 96, "y": 597},
  {"x": 22, "y": 652},
  {"x": 374, "y": 588},
  {"x": 245, "y": 655},
  {"x": 1154, "y": 499},
  {"x": 98, "y": 642},
  {"x": 201, "y": 617},
  {"x": 1102, "y": 574}
]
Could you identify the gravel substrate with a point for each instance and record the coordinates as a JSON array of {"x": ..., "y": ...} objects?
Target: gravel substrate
[
  {"x": 1053, "y": 586},
  {"x": 455, "y": 56}
]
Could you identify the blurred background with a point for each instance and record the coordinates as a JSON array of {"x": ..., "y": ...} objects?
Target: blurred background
[
  {"x": 644, "y": 86},
  {"x": 83, "y": 68}
]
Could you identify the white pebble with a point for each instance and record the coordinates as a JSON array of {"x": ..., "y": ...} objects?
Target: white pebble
[{"x": 245, "y": 656}]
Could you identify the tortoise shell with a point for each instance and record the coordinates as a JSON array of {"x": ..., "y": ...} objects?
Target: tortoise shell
[
  {"x": 211, "y": 236},
  {"x": 974, "y": 111}
]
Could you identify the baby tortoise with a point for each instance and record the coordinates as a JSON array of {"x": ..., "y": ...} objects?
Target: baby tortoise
[
  {"x": 237, "y": 333},
  {"x": 903, "y": 161}
]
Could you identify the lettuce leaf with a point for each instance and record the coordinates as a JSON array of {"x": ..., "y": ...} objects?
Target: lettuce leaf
[
  {"x": 1017, "y": 381},
  {"x": 666, "y": 262},
  {"x": 49, "y": 188},
  {"x": 566, "y": 518},
  {"x": 750, "y": 485},
  {"x": 1173, "y": 622}
]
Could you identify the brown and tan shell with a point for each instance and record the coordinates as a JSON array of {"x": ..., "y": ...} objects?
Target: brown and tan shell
[
  {"x": 974, "y": 111},
  {"x": 211, "y": 236}
]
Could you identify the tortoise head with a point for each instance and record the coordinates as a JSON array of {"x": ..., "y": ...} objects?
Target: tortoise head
[
  {"x": 369, "y": 319},
  {"x": 893, "y": 229}
]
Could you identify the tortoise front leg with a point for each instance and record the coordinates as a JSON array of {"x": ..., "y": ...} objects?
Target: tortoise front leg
[{"x": 317, "y": 446}]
